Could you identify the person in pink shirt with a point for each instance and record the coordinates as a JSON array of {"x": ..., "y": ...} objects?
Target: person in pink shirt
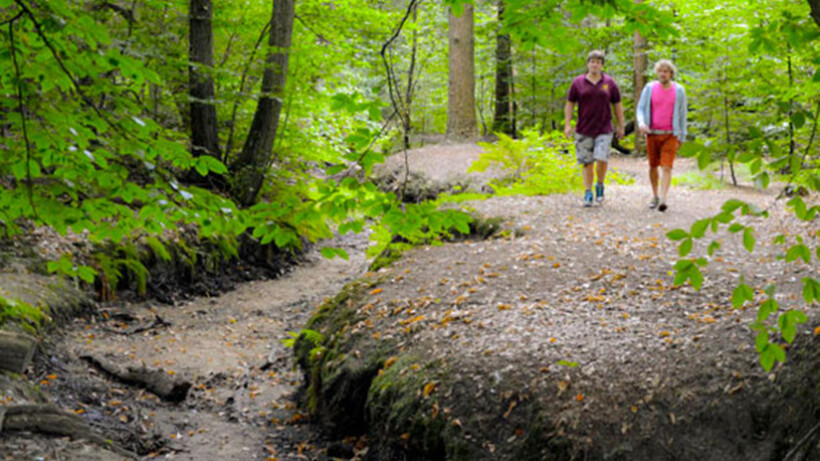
[{"x": 661, "y": 115}]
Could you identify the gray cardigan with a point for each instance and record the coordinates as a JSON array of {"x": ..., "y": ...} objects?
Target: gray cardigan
[{"x": 644, "y": 111}]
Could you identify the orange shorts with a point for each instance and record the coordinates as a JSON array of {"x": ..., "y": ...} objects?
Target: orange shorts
[{"x": 661, "y": 149}]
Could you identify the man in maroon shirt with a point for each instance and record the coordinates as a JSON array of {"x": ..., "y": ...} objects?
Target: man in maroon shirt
[{"x": 594, "y": 92}]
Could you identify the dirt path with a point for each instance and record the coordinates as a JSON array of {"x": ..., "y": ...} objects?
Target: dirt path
[
  {"x": 608, "y": 265},
  {"x": 240, "y": 406}
]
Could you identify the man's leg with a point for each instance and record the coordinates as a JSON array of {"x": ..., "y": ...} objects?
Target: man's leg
[
  {"x": 584, "y": 146},
  {"x": 603, "y": 143},
  {"x": 668, "y": 151},
  {"x": 589, "y": 175},
  {"x": 600, "y": 169},
  {"x": 653, "y": 179},
  {"x": 666, "y": 180},
  {"x": 654, "y": 155}
]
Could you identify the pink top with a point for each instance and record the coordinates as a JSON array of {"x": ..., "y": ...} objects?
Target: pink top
[{"x": 663, "y": 107}]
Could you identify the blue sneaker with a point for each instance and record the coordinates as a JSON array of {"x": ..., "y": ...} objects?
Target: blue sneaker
[
  {"x": 599, "y": 193},
  {"x": 588, "y": 198}
]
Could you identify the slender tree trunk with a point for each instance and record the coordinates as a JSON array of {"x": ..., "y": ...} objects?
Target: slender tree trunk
[
  {"x": 728, "y": 136},
  {"x": 204, "y": 137},
  {"x": 406, "y": 118},
  {"x": 815, "y": 10},
  {"x": 638, "y": 82},
  {"x": 503, "y": 120},
  {"x": 791, "y": 100},
  {"x": 253, "y": 162},
  {"x": 533, "y": 83},
  {"x": 461, "y": 118}
]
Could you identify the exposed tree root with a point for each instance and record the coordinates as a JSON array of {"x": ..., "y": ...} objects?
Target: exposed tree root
[
  {"x": 157, "y": 381},
  {"x": 48, "y": 419}
]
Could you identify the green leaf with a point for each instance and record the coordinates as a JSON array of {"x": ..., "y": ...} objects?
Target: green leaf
[
  {"x": 330, "y": 253},
  {"x": 685, "y": 247},
  {"x": 736, "y": 227},
  {"x": 696, "y": 276},
  {"x": 767, "y": 358},
  {"x": 811, "y": 290},
  {"x": 766, "y": 309},
  {"x": 748, "y": 239},
  {"x": 699, "y": 227},
  {"x": 732, "y": 204},
  {"x": 778, "y": 352},
  {"x": 798, "y": 251},
  {"x": 741, "y": 294},
  {"x": 761, "y": 341},
  {"x": 677, "y": 234},
  {"x": 86, "y": 274},
  {"x": 567, "y": 363},
  {"x": 798, "y": 119},
  {"x": 714, "y": 246},
  {"x": 704, "y": 158}
]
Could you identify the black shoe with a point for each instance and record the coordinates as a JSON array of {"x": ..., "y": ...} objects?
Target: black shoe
[{"x": 662, "y": 207}]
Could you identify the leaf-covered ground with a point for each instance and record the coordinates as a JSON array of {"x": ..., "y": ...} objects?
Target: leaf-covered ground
[
  {"x": 566, "y": 337},
  {"x": 572, "y": 339}
]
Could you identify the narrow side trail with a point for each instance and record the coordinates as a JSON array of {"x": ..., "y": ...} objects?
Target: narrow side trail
[{"x": 230, "y": 347}]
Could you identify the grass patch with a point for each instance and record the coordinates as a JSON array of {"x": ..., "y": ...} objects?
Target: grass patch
[{"x": 697, "y": 180}]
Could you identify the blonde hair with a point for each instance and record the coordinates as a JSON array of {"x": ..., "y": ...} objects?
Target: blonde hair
[{"x": 668, "y": 64}]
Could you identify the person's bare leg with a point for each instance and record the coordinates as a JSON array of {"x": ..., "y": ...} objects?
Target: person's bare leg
[
  {"x": 666, "y": 181},
  {"x": 589, "y": 175},
  {"x": 653, "y": 179},
  {"x": 600, "y": 169}
]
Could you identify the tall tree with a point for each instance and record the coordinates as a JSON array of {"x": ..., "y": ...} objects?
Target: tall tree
[
  {"x": 504, "y": 120},
  {"x": 204, "y": 135},
  {"x": 461, "y": 118},
  {"x": 254, "y": 160},
  {"x": 638, "y": 82}
]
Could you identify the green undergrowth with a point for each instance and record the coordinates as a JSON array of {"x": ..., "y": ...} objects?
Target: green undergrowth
[
  {"x": 536, "y": 165},
  {"x": 27, "y": 316},
  {"x": 479, "y": 228}
]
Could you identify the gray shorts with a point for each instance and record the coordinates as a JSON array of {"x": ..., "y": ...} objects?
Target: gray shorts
[{"x": 589, "y": 149}]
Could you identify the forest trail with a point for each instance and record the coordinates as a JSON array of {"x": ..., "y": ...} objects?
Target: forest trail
[
  {"x": 241, "y": 404},
  {"x": 603, "y": 271}
]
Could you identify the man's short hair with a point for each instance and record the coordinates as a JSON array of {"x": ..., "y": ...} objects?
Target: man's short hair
[
  {"x": 668, "y": 64},
  {"x": 595, "y": 54}
]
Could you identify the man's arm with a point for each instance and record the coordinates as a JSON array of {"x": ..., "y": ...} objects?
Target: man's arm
[
  {"x": 619, "y": 115},
  {"x": 639, "y": 112},
  {"x": 684, "y": 116},
  {"x": 569, "y": 108}
]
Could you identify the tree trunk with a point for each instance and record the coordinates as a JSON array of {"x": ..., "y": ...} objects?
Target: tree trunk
[
  {"x": 638, "y": 82},
  {"x": 815, "y": 10},
  {"x": 461, "y": 118},
  {"x": 204, "y": 137},
  {"x": 254, "y": 160},
  {"x": 503, "y": 121}
]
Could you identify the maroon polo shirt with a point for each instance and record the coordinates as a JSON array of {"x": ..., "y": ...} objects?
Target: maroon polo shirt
[{"x": 594, "y": 113}]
